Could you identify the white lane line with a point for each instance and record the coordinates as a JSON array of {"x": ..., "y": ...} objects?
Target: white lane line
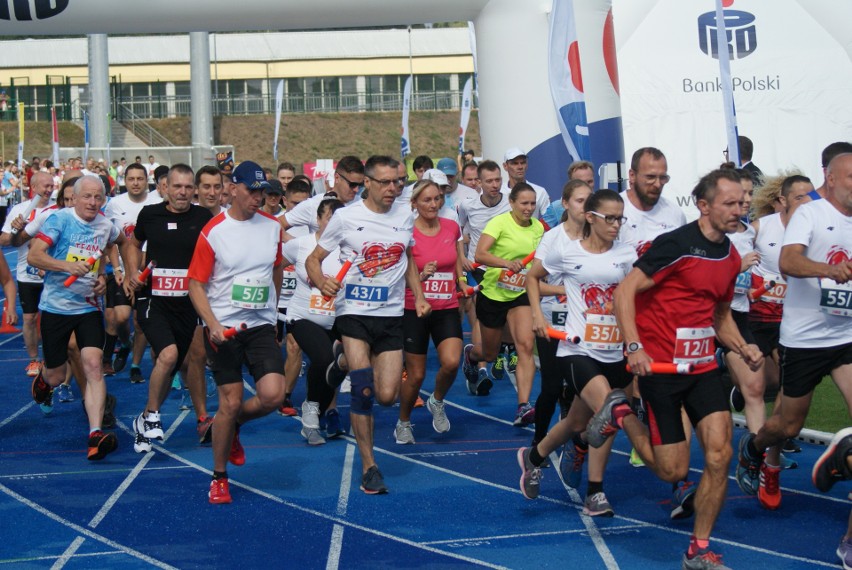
[
  {"x": 68, "y": 554},
  {"x": 336, "y": 545},
  {"x": 16, "y": 414},
  {"x": 86, "y": 472},
  {"x": 11, "y": 338},
  {"x": 530, "y": 534},
  {"x": 84, "y": 531},
  {"x": 37, "y": 558}
]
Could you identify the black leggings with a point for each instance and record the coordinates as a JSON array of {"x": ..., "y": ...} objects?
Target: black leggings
[
  {"x": 552, "y": 381},
  {"x": 317, "y": 343}
]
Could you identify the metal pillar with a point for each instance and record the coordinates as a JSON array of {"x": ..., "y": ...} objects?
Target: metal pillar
[
  {"x": 99, "y": 98},
  {"x": 201, "y": 104}
]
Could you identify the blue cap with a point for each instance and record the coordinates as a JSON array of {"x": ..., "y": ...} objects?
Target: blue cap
[
  {"x": 448, "y": 166},
  {"x": 250, "y": 174}
]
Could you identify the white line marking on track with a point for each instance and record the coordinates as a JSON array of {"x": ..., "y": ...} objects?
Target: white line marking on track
[
  {"x": 342, "y": 504},
  {"x": 68, "y": 554},
  {"x": 529, "y": 534},
  {"x": 11, "y": 338},
  {"x": 86, "y": 472},
  {"x": 37, "y": 558},
  {"x": 16, "y": 414}
]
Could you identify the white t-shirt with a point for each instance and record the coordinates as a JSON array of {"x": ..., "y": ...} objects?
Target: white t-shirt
[
  {"x": 590, "y": 280},
  {"x": 123, "y": 212},
  {"x": 307, "y": 302},
  {"x": 542, "y": 198},
  {"x": 305, "y": 213},
  {"x": 288, "y": 281},
  {"x": 641, "y": 228},
  {"x": 814, "y": 308},
  {"x": 551, "y": 246},
  {"x": 474, "y": 216},
  {"x": 768, "y": 244},
  {"x": 459, "y": 195},
  {"x": 375, "y": 284},
  {"x": 24, "y": 272},
  {"x": 744, "y": 244}
]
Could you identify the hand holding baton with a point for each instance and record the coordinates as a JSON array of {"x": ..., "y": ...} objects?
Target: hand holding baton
[
  {"x": 468, "y": 291},
  {"x": 524, "y": 262},
  {"x": 344, "y": 269},
  {"x": 142, "y": 277},
  {"x": 668, "y": 368},
  {"x": 562, "y": 335},
  {"x": 760, "y": 291},
  {"x": 26, "y": 214},
  {"x": 233, "y": 331},
  {"x": 90, "y": 262}
]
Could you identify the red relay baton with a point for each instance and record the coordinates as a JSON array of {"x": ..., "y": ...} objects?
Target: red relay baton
[
  {"x": 524, "y": 262},
  {"x": 232, "y": 332},
  {"x": 562, "y": 335},
  {"x": 90, "y": 262},
  {"x": 668, "y": 368},
  {"x": 143, "y": 277},
  {"x": 344, "y": 269},
  {"x": 759, "y": 292}
]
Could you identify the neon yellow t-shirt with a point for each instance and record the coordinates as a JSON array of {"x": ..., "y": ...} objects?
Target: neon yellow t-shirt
[{"x": 511, "y": 241}]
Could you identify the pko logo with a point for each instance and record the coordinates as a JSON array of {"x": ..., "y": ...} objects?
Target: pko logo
[
  {"x": 23, "y": 9},
  {"x": 741, "y": 34}
]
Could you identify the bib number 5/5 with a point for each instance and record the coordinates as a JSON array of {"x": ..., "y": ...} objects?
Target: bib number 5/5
[{"x": 249, "y": 293}]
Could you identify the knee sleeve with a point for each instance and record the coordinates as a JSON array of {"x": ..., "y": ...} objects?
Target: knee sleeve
[{"x": 363, "y": 393}]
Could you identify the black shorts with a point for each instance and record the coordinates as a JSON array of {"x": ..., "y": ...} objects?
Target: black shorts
[
  {"x": 580, "y": 369},
  {"x": 492, "y": 314},
  {"x": 255, "y": 347},
  {"x": 440, "y": 325},
  {"x": 115, "y": 296},
  {"x": 664, "y": 395},
  {"x": 281, "y": 325},
  {"x": 741, "y": 318},
  {"x": 163, "y": 328},
  {"x": 383, "y": 334},
  {"x": 478, "y": 274},
  {"x": 767, "y": 335},
  {"x": 56, "y": 333},
  {"x": 803, "y": 368},
  {"x": 30, "y": 295}
]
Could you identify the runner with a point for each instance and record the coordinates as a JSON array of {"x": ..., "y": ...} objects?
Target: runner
[
  {"x": 66, "y": 241},
  {"x": 505, "y": 241},
  {"x": 590, "y": 269},
  {"x": 439, "y": 268},
  {"x": 169, "y": 230},
  {"x": 369, "y": 318},
  {"x": 815, "y": 336},
  {"x": 237, "y": 260}
]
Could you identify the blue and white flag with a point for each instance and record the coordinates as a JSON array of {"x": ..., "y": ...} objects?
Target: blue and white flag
[
  {"x": 566, "y": 80},
  {"x": 85, "y": 136},
  {"x": 405, "y": 144},
  {"x": 279, "y": 100},
  {"x": 727, "y": 85},
  {"x": 466, "y": 105}
]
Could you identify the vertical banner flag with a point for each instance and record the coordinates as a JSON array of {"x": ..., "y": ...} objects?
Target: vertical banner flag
[
  {"x": 471, "y": 34},
  {"x": 20, "y": 137},
  {"x": 55, "y": 156},
  {"x": 85, "y": 136},
  {"x": 405, "y": 145},
  {"x": 727, "y": 85},
  {"x": 279, "y": 101},
  {"x": 566, "y": 81},
  {"x": 465, "y": 113}
]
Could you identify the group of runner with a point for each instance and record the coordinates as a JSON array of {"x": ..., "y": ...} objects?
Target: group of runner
[{"x": 621, "y": 300}]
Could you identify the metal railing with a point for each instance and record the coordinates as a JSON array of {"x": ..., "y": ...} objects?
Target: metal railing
[{"x": 142, "y": 130}]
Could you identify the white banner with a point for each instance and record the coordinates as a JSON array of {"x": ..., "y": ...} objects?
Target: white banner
[
  {"x": 55, "y": 129},
  {"x": 405, "y": 144},
  {"x": 20, "y": 138},
  {"x": 465, "y": 113},
  {"x": 279, "y": 101},
  {"x": 566, "y": 82},
  {"x": 471, "y": 33}
]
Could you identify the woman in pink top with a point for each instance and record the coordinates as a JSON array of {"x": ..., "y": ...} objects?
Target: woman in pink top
[{"x": 435, "y": 254}]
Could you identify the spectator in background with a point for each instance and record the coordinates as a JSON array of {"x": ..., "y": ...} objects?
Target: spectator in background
[
  {"x": 8, "y": 187},
  {"x": 467, "y": 156},
  {"x": 578, "y": 170},
  {"x": 421, "y": 164},
  {"x": 746, "y": 152},
  {"x": 150, "y": 168},
  {"x": 470, "y": 175},
  {"x": 285, "y": 173}
]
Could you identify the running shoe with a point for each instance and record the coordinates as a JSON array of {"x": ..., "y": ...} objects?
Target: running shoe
[
  {"x": 419, "y": 403},
  {"x": 210, "y": 383},
  {"x": 101, "y": 444},
  {"x": 220, "y": 492},
  {"x": 120, "y": 360},
  {"x": 440, "y": 421},
  {"x": 141, "y": 444},
  {"x": 287, "y": 408},
  {"x": 571, "y": 463},
  {"x": 333, "y": 427},
  {"x": 683, "y": 500},
  {"x": 47, "y": 406},
  {"x": 335, "y": 374},
  {"x": 177, "y": 381},
  {"x": 525, "y": 415},
  {"x": 498, "y": 367},
  {"x": 33, "y": 368},
  {"x": 704, "y": 559},
  {"x": 469, "y": 368},
  {"x": 64, "y": 393},
  {"x": 483, "y": 384},
  {"x": 530, "y": 474},
  {"x": 108, "y": 421},
  {"x": 737, "y": 400},
  {"x": 790, "y": 446},
  {"x": 310, "y": 415},
  {"x": 403, "y": 433},
  {"x": 831, "y": 466},
  {"x": 204, "y": 428},
  {"x": 372, "y": 482},
  {"x": 597, "y": 506},
  {"x": 512, "y": 362},
  {"x": 769, "y": 489},
  {"x": 149, "y": 425},
  {"x": 748, "y": 467},
  {"x": 787, "y": 463},
  {"x": 136, "y": 375},
  {"x": 635, "y": 460},
  {"x": 844, "y": 552},
  {"x": 107, "y": 368},
  {"x": 185, "y": 400},
  {"x": 601, "y": 427},
  {"x": 237, "y": 456},
  {"x": 313, "y": 436},
  {"x": 40, "y": 389}
]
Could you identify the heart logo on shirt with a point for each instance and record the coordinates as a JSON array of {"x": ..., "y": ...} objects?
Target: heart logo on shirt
[
  {"x": 837, "y": 255},
  {"x": 598, "y": 298},
  {"x": 379, "y": 257},
  {"x": 642, "y": 247}
]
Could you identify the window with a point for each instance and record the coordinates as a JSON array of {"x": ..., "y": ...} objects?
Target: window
[
  {"x": 348, "y": 85},
  {"x": 182, "y": 89}
]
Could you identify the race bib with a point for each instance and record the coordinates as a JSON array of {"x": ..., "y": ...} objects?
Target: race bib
[
  {"x": 835, "y": 299},
  {"x": 169, "y": 282},
  {"x": 288, "y": 283},
  {"x": 694, "y": 346},
  {"x": 76, "y": 254},
  {"x": 516, "y": 282},
  {"x": 319, "y": 305},
  {"x": 775, "y": 294},
  {"x": 249, "y": 293},
  {"x": 32, "y": 272},
  {"x": 559, "y": 316},
  {"x": 602, "y": 332},
  {"x": 366, "y": 292},
  {"x": 439, "y": 286},
  {"x": 743, "y": 282}
]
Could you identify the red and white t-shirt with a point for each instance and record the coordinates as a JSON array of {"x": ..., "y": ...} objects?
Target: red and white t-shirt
[
  {"x": 642, "y": 228},
  {"x": 375, "y": 284},
  {"x": 235, "y": 259},
  {"x": 769, "y": 306},
  {"x": 590, "y": 280},
  {"x": 818, "y": 311},
  {"x": 307, "y": 302},
  {"x": 440, "y": 289}
]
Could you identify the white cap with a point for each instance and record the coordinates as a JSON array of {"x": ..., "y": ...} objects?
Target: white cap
[
  {"x": 436, "y": 176},
  {"x": 513, "y": 152}
]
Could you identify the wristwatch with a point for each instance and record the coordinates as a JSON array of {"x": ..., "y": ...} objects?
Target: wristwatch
[{"x": 634, "y": 347}]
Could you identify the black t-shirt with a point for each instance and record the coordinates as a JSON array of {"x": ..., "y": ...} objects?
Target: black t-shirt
[{"x": 171, "y": 241}]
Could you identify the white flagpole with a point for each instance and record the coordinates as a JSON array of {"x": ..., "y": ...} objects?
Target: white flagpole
[
  {"x": 727, "y": 85},
  {"x": 279, "y": 101}
]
